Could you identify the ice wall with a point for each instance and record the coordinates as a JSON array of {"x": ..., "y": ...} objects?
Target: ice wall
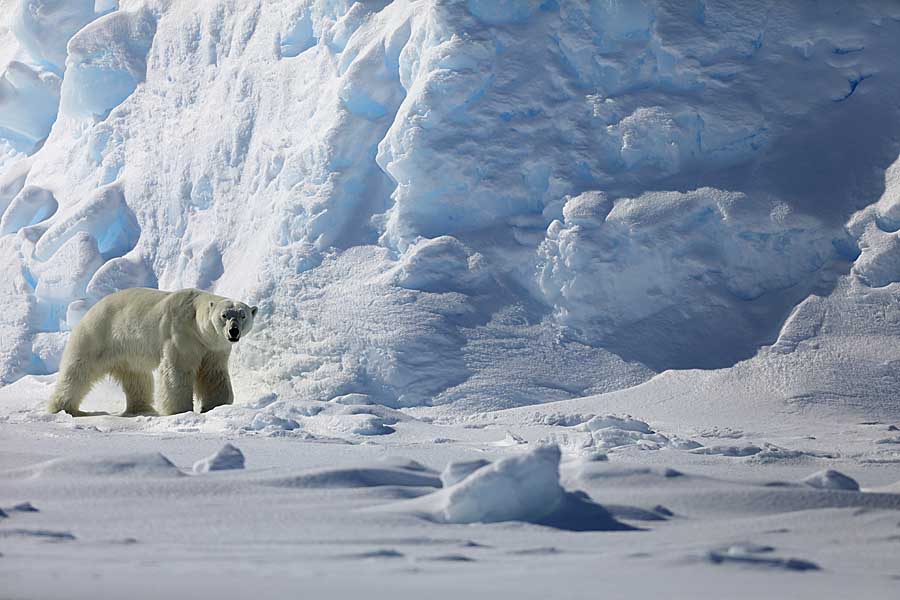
[{"x": 477, "y": 202}]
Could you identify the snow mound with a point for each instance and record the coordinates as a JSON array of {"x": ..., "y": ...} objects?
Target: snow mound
[
  {"x": 269, "y": 423},
  {"x": 360, "y": 424},
  {"x": 772, "y": 453},
  {"x": 353, "y": 400},
  {"x": 228, "y": 457},
  {"x": 402, "y": 474},
  {"x": 613, "y": 422},
  {"x": 830, "y": 479},
  {"x": 519, "y": 488},
  {"x": 134, "y": 465}
]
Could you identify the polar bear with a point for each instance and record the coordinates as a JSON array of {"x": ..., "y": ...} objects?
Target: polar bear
[{"x": 188, "y": 334}]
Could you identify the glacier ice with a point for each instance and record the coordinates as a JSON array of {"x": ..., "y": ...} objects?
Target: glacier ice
[{"x": 479, "y": 203}]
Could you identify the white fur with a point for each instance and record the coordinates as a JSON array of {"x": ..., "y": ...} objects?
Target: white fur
[{"x": 131, "y": 333}]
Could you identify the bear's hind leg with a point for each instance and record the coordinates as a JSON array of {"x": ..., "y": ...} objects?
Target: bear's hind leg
[
  {"x": 74, "y": 383},
  {"x": 138, "y": 388},
  {"x": 213, "y": 382}
]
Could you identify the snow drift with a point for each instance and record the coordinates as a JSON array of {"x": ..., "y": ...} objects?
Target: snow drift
[{"x": 470, "y": 202}]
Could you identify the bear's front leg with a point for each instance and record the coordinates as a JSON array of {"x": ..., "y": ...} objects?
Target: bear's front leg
[
  {"x": 213, "y": 383},
  {"x": 176, "y": 385}
]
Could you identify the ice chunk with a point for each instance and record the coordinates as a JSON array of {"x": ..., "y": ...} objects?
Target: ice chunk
[
  {"x": 228, "y": 457},
  {"x": 519, "y": 488}
]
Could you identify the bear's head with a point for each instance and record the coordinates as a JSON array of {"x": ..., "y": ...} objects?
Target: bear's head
[{"x": 232, "y": 319}]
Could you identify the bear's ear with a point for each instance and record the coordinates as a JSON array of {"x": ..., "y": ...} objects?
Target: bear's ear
[
  {"x": 211, "y": 303},
  {"x": 253, "y": 310}
]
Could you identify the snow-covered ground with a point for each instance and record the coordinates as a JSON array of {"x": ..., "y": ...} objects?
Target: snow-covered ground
[
  {"x": 558, "y": 298},
  {"x": 133, "y": 507}
]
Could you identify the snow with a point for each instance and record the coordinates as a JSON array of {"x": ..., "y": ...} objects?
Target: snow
[
  {"x": 228, "y": 457},
  {"x": 138, "y": 465},
  {"x": 106, "y": 61},
  {"x": 830, "y": 479},
  {"x": 531, "y": 274},
  {"x": 519, "y": 488},
  {"x": 757, "y": 556}
]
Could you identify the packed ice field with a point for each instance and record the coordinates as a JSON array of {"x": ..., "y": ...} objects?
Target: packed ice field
[{"x": 557, "y": 298}]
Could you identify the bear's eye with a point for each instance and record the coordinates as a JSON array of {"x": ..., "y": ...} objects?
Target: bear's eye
[
  {"x": 224, "y": 317},
  {"x": 243, "y": 316}
]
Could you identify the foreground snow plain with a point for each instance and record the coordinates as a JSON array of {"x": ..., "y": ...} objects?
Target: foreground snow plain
[
  {"x": 702, "y": 509},
  {"x": 660, "y": 237}
]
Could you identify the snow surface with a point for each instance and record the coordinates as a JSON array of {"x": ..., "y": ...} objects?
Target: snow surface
[{"x": 527, "y": 270}]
